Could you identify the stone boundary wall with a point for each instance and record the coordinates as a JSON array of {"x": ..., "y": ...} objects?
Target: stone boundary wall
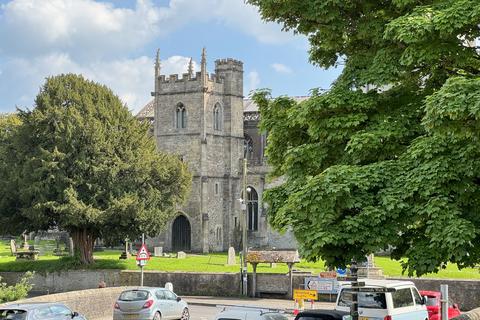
[
  {"x": 464, "y": 292},
  {"x": 95, "y": 304},
  {"x": 187, "y": 283},
  {"x": 54, "y": 282}
]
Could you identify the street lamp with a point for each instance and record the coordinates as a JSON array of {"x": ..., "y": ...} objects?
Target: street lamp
[{"x": 247, "y": 149}]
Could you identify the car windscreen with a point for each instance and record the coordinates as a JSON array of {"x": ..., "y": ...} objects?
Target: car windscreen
[
  {"x": 134, "y": 295},
  {"x": 432, "y": 301},
  {"x": 368, "y": 300},
  {"x": 13, "y": 314}
]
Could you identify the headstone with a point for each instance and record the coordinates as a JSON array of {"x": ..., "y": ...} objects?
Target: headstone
[
  {"x": 231, "y": 257},
  {"x": 125, "y": 253},
  {"x": 371, "y": 261},
  {"x": 181, "y": 255},
  {"x": 25, "y": 245},
  {"x": 158, "y": 251},
  {"x": 71, "y": 249},
  {"x": 13, "y": 247}
]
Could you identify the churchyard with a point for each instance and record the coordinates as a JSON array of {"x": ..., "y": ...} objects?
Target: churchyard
[{"x": 215, "y": 262}]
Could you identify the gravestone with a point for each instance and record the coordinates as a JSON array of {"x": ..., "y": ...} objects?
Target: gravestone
[
  {"x": 158, "y": 251},
  {"x": 25, "y": 245},
  {"x": 13, "y": 247},
  {"x": 70, "y": 247},
  {"x": 181, "y": 255},
  {"x": 231, "y": 257},
  {"x": 125, "y": 253}
]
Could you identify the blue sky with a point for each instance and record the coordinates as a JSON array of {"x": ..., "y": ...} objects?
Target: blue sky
[{"x": 114, "y": 43}]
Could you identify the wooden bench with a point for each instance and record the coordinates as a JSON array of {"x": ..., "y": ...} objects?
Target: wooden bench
[{"x": 27, "y": 255}]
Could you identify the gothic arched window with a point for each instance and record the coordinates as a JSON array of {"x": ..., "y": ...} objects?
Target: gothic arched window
[
  {"x": 252, "y": 209},
  {"x": 180, "y": 117},
  {"x": 248, "y": 147},
  {"x": 217, "y": 117}
]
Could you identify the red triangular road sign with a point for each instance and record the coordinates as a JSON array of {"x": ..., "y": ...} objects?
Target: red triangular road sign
[{"x": 143, "y": 253}]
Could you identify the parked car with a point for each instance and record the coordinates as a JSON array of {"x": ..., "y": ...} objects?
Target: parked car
[
  {"x": 384, "y": 299},
  {"x": 433, "y": 305},
  {"x": 38, "y": 311},
  {"x": 146, "y": 303},
  {"x": 320, "y": 315},
  {"x": 249, "y": 313}
]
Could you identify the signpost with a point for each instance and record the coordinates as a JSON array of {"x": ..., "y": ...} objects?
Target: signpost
[{"x": 142, "y": 257}]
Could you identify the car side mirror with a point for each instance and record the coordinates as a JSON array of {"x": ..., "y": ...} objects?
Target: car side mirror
[
  {"x": 455, "y": 305},
  {"x": 75, "y": 314},
  {"x": 424, "y": 300},
  {"x": 179, "y": 299}
]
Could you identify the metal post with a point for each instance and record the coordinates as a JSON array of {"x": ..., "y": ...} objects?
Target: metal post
[
  {"x": 244, "y": 230},
  {"x": 354, "y": 276},
  {"x": 444, "y": 301},
  {"x": 141, "y": 262}
]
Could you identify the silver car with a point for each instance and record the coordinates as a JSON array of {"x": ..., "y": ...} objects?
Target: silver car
[
  {"x": 147, "y": 303},
  {"x": 34, "y": 311}
]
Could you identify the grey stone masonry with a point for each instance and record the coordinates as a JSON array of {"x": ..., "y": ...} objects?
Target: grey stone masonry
[{"x": 203, "y": 118}]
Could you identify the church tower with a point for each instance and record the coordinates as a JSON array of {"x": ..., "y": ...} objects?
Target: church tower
[{"x": 199, "y": 117}]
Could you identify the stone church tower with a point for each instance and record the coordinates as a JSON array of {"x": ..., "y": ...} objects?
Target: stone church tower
[
  {"x": 199, "y": 117},
  {"x": 204, "y": 119}
]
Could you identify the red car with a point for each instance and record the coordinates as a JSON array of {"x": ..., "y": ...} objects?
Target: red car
[{"x": 433, "y": 306}]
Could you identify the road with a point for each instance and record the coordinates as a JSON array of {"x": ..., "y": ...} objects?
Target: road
[{"x": 204, "y": 312}]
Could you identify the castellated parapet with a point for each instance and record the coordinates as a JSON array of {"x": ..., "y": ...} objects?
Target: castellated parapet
[{"x": 228, "y": 79}]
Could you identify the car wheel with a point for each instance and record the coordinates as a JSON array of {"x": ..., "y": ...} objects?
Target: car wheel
[
  {"x": 157, "y": 316},
  {"x": 185, "y": 314}
]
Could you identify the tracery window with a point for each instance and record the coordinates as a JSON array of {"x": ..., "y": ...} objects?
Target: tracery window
[
  {"x": 248, "y": 147},
  {"x": 180, "y": 117},
  {"x": 252, "y": 209}
]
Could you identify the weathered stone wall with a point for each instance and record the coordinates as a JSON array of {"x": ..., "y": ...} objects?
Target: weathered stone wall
[
  {"x": 53, "y": 282},
  {"x": 95, "y": 304},
  {"x": 206, "y": 284}
]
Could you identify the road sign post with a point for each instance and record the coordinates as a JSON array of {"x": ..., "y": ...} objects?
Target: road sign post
[{"x": 142, "y": 257}]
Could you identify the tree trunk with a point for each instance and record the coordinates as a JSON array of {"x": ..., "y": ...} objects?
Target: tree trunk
[{"x": 83, "y": 242}]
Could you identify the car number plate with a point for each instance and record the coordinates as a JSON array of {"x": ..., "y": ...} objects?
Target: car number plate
[
  {"x": 130, "y": 316},
  {"x": 362, "y": 318}
]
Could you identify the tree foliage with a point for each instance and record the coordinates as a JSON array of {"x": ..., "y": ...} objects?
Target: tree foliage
[
  {"x": 18, "y": 291},
  {"x": 83, "y": 163},
  {"x": 389, "y": 157}
]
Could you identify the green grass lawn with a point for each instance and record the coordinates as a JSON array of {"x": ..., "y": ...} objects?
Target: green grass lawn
[{"x": 108, "y": 259}]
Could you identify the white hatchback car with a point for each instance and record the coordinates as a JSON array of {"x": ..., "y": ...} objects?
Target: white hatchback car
[{"x": 384, "y": 300}]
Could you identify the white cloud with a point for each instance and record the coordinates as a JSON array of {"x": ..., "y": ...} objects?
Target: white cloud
[
  {"x": 281, "y": 68},
  {"x": 253, "y": 80},
  {"x": 84, "y": 29},
  {"x": 102, "y": 42},
  {"x": 131, "y": 79}
]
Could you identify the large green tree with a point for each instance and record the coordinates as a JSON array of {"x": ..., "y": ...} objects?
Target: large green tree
[
  {"x": 83, "y": 163},
  {"x": 389, "y": 157}
]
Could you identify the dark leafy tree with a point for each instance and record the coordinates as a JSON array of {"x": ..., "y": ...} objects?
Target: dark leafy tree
[
  {"x": 86, "y": 165},
  {"x": 389, "y": 157}
]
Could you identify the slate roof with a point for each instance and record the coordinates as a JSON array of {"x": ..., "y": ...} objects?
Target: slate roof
[{"x": 248, "y": 106}]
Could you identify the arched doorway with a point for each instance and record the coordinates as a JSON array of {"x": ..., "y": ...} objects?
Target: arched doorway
[{"x": 181, "y": 234}]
